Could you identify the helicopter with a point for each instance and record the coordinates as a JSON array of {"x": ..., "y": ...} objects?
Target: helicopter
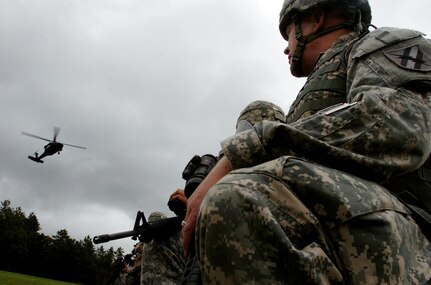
[{"x": 51, "y": 148}]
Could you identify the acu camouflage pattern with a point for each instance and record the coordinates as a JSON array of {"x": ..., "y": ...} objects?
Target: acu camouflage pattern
[
  {"x": 327, "y": 86},
  {"x": 162, "y": 260},
  {"x": 259, "y": 110},
  {"x": 290, "y": 221},
  {"x": 305, "y": 204}
]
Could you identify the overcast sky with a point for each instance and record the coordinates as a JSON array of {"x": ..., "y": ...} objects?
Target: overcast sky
[{"x": 144, "y": 85}]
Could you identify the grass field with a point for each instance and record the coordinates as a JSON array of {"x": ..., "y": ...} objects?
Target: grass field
[{"x": 9, "y": 278}]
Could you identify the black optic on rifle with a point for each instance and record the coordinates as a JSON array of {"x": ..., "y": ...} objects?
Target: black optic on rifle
[{"x": 196, "y": 170}]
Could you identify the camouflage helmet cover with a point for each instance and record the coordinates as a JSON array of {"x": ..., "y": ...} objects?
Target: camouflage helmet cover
[
  {"x": 294, "y": 7},
  {"x": 260, "y": 110},
  {"x": 156, "y": 216}
]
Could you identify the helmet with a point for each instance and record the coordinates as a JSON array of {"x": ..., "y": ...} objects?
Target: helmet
[
  {"x": 258, "y": 111},
  {"x": 358, "y": 17},
  {"x": 156, "y": 216},
  {"x": 294, "y": 8}
]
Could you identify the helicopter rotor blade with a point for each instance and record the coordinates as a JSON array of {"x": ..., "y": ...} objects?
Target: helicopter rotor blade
[
  {"x": 81, "y": 147},
  {"x": 56, "y": 132},
  {"x": 34, "y": 136}
]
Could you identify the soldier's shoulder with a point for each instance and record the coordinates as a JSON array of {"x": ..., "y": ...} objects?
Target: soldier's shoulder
[
  {"x": 384, "y": 37},
  {"x": 397, "y": 49}
]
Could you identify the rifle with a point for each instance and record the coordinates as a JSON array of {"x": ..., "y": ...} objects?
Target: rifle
[
  {"x": 145, "y": 231},
  {"x": 194, "y": 173}
]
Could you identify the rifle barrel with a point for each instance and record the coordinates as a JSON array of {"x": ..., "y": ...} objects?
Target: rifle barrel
[
  {"x": 147, "y": 231},
  {"x": 109, "y": 237}
]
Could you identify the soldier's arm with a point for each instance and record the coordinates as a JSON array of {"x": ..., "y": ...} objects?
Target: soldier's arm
[
  {"x": 383, "y": 130},
  {"x": 222, "y": 168}
]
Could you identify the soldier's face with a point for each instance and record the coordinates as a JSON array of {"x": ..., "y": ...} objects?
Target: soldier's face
[
  {"x": 302, "y": 67},
  {"x": 291, "y": 43}
]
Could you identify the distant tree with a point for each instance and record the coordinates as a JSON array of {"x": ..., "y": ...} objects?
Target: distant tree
[
  {"x": 64, "y": 257},
  {"x": 32, "y": 224},
  {"x": 39, "y": 255},
  {"x": 37, "y": 245},
  {"x": 88, "y": 261},
  {"x": 13, "y": 238},
  {"x": 106, "y": 259},
  {"x": 24, "y": 250}
]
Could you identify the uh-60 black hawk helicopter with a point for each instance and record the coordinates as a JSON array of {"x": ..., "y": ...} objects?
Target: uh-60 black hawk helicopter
[{"x": 52, "y": 147}]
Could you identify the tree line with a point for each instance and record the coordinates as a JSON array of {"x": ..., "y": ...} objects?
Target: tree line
[{"x": 24, "y": 250}]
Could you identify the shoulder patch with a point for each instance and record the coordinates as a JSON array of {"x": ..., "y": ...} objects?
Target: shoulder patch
[{"x": 413, "y": 58}]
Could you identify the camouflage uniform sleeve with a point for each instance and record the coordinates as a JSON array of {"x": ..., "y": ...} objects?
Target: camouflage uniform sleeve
[{"x": 384, "y": 130}]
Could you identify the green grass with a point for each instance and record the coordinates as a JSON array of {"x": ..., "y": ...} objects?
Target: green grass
[{"x": 9, "y": 278}]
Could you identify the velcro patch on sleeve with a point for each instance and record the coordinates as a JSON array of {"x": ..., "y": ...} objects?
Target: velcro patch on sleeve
[{"x": 413, "y": 58}]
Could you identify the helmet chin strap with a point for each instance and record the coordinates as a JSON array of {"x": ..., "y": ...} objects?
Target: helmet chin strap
[{"x": 303, "y": 40}]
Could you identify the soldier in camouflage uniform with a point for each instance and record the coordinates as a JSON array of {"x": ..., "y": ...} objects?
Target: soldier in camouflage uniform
[
  {"x": 308, "y": 200},
  {"x": 162, "y": 260}
]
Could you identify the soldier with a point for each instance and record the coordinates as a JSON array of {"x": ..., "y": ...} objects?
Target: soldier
[
  {"x": 162, "y": 261},
  {"x": 133, "y": 268},
  {"x": 326, "y": 197}
]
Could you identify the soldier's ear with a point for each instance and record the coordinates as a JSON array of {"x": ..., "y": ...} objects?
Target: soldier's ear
[{"x": 318, "y": 20}]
